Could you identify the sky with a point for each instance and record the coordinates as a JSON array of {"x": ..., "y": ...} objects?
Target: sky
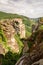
[{"x": 29, "y": 8}]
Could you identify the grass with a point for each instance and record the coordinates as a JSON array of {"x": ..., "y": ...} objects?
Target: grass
[
  {"x": 28, "y": 34},
  {"x": 3, "y": 40},
  {"x": 2, "y": 37},
  {"x": 4, "y": 15},
  {"x": 41, "y": 27},
  {"x": 19, "y": 43}
]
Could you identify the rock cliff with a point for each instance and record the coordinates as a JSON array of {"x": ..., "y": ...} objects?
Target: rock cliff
[{"x": 10, "y": 27}]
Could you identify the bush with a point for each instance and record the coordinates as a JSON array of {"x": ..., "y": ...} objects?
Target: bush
[{"x": 10, "y": 58}]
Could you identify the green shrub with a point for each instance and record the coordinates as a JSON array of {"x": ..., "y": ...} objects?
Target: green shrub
[{"x": 10, "y": 58}]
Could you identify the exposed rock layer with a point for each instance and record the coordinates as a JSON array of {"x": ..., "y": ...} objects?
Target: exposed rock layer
[{"x": 11, "y": 27}]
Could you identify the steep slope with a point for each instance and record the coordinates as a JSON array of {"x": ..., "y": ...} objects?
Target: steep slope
[
  {"x": 27, "y": 21},
  {"x": 35, "y": 55}
]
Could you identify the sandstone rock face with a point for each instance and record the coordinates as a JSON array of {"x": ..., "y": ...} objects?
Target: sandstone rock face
[
  {"x": 9, "y": 32},
  {"x": 17, "y": 23},
  {"x": 19, "y": 27},
  {"x": 22, "y": 30},
  {"x": 11, "y": 27}
]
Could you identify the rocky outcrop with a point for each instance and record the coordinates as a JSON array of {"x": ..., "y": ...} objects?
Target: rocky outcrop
[
  {"x": 11, "y": 27},
  {"x": 35, "y": 54},
  {"x": 19, "y": 27},
  {"x": 22, "y": 31},
  {"x": 17, "y": 24},
  {"x": 33, "y": 58},
  {"x": 40, "y": 62}
]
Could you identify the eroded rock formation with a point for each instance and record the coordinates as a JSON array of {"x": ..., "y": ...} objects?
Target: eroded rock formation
[
  {"x": 35, "y": 55},
  {"x": 11, "y": 27}
]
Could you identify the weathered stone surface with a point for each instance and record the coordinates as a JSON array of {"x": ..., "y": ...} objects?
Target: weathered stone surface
[
  {"x": 35, "y": 57},
  {"x": 2, "y": 49},
  {"x": 9, "y": 32},
  {"x": 7, "y": 25},
  {"x": 40, "y": 62}
]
